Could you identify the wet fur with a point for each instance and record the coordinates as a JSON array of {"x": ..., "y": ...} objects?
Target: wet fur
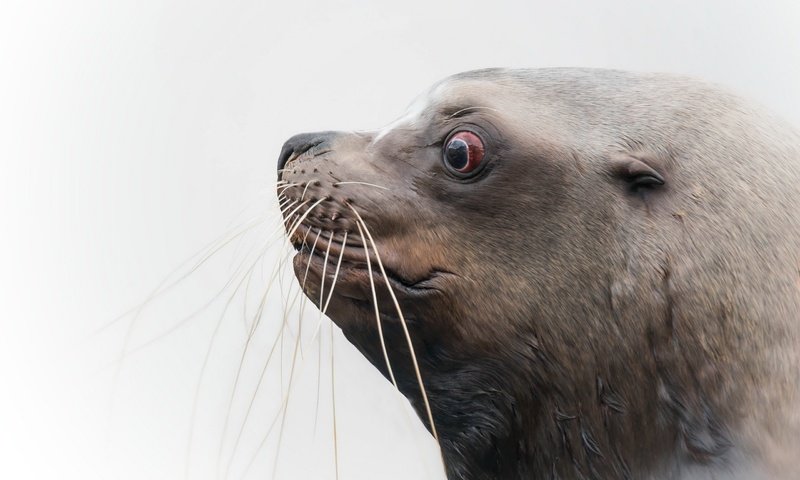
[{"x": 572, "y": 324}]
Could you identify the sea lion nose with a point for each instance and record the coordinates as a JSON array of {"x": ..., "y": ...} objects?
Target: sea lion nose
[{"x": 300, "y": 144}]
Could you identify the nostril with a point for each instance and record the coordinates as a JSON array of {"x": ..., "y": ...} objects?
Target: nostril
[
  {"x": 293, "y": 150},
  {"x": 300, "y": 144}
]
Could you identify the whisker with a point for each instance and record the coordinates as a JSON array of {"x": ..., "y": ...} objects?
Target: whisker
[
  {"x": 288, "y": 218},
  {"x": 403, "y": 324},
  {"x": 467, "y": 109},
  {"x": 286, "y": 397},
  {"x": 319, "y": 378},
  {"x": 294, "y": 356},
  {"x": 333, "y": 388},
  {"x": 163, "y": 287},
  {"x": 185, "y": 321},
  {"x": 375, "y": 302},
  {"x": 284, "y": 187},
  {"x": 285, "y": 312},
  {"x": 251, "y": 331},
  {"x": 203, "y": 368},
  {"x": 303, "y": 217},
  {"x": 248, "y": 411},
  {"x": 271, "y": 352},
  {"x": 298, "y": 207},
  {"x": 308, "y": 184},
  {"x": 302, "y": 288},
  {"x": 336, "y": 273},
  {"x": 246, "y": 300},
  {"x": 333, "y": 407},
  {"x": 268, "y": 233},
  {"x": 284, "y": 404},
  {"x": 256, "y": 321},
  {"x": 272, "y": 423},
  {"x": 282, "y": 336},
  {"x": 211, "y": 249},
  {"x": 252, "y": 402},
  {"x": 319, "y": 322},
  {"x": 360, "y": 183},
  {"x": 282, "y": 228},
  {"x": 325, "y": 307}
]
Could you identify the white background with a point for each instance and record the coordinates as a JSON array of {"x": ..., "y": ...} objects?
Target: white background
[{"x": 133, "y": 133}]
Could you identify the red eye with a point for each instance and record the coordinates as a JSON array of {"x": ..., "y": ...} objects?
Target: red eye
[{"x": 463, "y": 151}]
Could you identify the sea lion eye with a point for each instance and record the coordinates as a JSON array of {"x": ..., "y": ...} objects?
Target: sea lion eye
[{"x": 463, "y": 152}]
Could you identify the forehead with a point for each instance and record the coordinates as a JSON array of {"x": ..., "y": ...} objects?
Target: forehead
[{"x": 446, "y": 98}]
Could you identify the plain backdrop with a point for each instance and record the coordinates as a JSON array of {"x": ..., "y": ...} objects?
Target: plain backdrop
[{"x": 135, "y": 133}]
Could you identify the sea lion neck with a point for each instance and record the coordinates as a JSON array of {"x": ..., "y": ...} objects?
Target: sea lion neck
[{"x": 547, "y": 419}]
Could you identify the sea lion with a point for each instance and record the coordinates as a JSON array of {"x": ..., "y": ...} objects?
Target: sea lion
[{"x": 598, "y": 271}]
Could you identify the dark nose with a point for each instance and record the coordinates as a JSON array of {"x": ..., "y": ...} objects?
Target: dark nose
[{"x": 300, "y": 144}]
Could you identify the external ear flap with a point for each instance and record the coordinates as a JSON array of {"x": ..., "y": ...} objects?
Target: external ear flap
[{"x": 635, "y": 172}]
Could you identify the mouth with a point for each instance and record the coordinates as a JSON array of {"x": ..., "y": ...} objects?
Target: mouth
[
  {"x": 308, "y": 240},
  {"x": 355, "y": 269}
]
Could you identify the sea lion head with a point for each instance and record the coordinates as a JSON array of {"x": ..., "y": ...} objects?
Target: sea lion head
[{"x": 593, "y": 272}]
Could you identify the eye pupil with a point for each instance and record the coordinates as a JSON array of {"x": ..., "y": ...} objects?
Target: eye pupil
[{"x": 458, "y": 154}]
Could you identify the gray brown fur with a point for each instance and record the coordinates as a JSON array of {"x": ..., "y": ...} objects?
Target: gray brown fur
[{"x": 570, "y": 325}]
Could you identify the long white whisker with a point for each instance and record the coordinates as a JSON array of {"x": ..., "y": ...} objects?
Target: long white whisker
[
  {"x": 361, "y": 183},
  {"x": 473, "y": 108},
  {"x": 289, "y": 215},
  {"x": 160, "y": 289},
  {"x": 193, "y": 415},
  {"x": 319, "y": 321},
  {"x": 403, "y": 324},
  {"x": 256, "y": 320},
  {"x": 375, "y": 302},
  {"x": 284, "y": 209},
  {"x": 285, "y": 323},
  {"x": 336, "y": 273},
  {"x": 333, "y": 407},
  {"x": 248, "y": 411},
  {"x": 165, "y": 285},
  {"x": 282, "y": 205},
  {"x": 284, "y": 187},
  {"x": 302, "y": 288},
  {"x": 284, "y": 402},
  {"x": 333, "y": 380},
  {"x": 271, "y": 425},
  {"x": 279, "y": 337},
  {"x": 308, "y": 184},
  {"x": 294, "y": 356},
  {"x": 303, "y": 217},
  {"x": 185, "y": 321}
]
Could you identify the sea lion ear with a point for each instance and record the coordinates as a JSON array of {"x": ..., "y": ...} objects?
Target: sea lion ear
[{"x": 634, "y": 171}]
